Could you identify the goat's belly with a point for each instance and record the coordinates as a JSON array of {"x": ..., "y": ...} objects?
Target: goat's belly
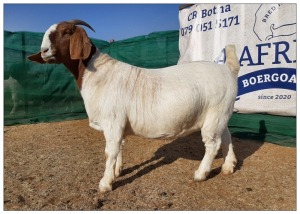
[
  {"x": 170, "y": 120},
  {"x": 165, "y": 134},
  {"x": 165, "y": 129}
]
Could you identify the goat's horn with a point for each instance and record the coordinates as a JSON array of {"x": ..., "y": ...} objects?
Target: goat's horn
[{"x": 79, "y": 22}]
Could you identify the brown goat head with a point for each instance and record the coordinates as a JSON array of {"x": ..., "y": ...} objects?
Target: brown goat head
[{"x": 63, "y": 43}]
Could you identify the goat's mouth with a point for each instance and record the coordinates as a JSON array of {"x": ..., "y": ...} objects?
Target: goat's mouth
[
  {"x": 49, "y": 59},
  {"x": 49, "y": 56}
]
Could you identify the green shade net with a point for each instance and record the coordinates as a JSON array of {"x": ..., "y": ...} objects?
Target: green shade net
[
  {"x": 36, "y": 93},
  {"x": 261, "y": 127}
]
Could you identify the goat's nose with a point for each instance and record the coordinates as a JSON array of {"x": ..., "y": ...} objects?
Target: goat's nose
[{"x": 44, "y": 50}]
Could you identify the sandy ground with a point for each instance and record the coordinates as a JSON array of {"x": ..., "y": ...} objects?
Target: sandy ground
[{"x": 57, "y": 166}]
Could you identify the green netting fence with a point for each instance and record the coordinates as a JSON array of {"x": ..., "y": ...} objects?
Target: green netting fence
[{"x": 36, "y": 93}]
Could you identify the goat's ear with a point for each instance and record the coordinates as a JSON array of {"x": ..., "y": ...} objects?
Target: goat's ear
[
  {"x": 80, "y": 44},
  {"x": 36, "y": 58}
]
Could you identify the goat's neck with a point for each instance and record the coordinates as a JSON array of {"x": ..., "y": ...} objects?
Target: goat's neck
[{"x": 77, "y": 67}]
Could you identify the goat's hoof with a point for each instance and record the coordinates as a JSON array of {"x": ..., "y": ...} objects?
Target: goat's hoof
[
  {"x": 118, "y": 172},
  {"x": 200, "y": 176},
  {"x": 104, "y": 187},
  {"x": 228, "y": 169}
]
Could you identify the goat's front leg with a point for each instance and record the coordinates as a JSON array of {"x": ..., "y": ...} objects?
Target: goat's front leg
[
  {"x": 119, "y": 163},
  {"x": 112, "y": 151}
]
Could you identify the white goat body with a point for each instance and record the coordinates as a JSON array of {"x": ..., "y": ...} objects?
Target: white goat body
[
  {"x": 157, "y": 103},
  {"x": 122, "y": 99}
]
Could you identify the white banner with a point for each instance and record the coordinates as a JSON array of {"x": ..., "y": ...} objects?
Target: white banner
[{"x": 265, "y": 40}]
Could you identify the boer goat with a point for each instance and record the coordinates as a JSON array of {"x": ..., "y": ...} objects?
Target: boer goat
[{"x": 121, "y": 99}]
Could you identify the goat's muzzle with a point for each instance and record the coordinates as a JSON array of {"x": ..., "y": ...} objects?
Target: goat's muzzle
[{"x": 48, "y": 56}]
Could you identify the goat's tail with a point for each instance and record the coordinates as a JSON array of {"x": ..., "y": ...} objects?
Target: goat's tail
[{"x": 231, "y": 59}]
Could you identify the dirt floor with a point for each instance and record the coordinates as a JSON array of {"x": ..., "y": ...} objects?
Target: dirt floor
[{"x": 57, "y": 166}]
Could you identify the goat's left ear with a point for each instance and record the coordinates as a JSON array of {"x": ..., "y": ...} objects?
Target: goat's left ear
[
  {"x": 80, "y": 44},
  {"x": 36, "y": 58}
]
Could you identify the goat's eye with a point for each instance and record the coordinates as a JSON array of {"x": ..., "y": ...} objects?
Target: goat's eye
[{"x": 67, "y": 32}]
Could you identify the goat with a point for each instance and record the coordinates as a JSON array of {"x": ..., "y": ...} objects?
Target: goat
[{"x": 121, "y": 99}]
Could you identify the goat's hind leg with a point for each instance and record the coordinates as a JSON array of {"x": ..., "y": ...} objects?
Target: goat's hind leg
[
  {"x": 212, "y": 145},
  {"x": 228, "y": 154}
]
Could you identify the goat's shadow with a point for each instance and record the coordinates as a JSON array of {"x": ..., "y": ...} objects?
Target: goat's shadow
[{"x": 192, "y": 148}]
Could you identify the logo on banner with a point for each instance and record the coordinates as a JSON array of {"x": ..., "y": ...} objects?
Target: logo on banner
[{"x": 267, "y": 25}]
